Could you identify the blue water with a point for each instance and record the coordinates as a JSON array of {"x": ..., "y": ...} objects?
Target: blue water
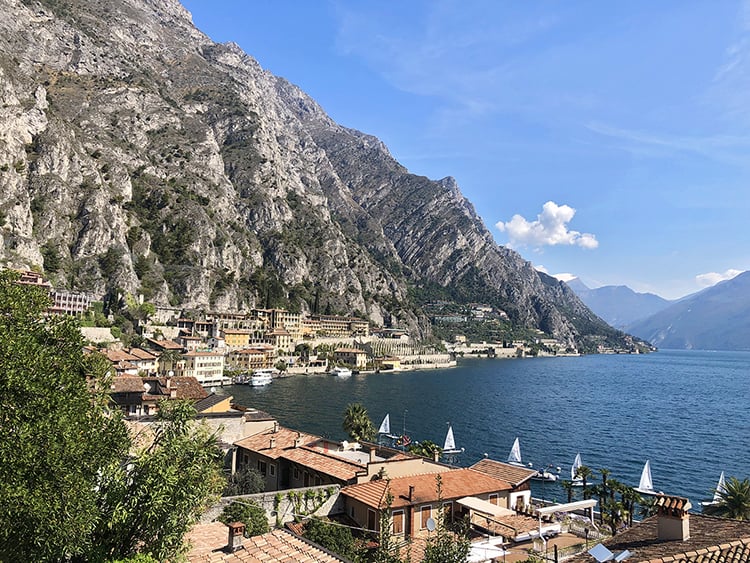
[{"x": 688, "y": 412}]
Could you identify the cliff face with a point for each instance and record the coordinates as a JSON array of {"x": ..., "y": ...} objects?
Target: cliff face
[{"x": 138, "y": 155}]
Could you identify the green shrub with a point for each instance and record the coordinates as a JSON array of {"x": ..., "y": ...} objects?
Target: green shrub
[{"x": 247, "y": 512}]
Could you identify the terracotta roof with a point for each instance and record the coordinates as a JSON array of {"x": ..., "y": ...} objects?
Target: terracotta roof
[
  {"x": 119, "y": 356},
  {"x": 261, "y": 442},
  {"x": 323, "y": 463},
  {"x": 208, "y": 541},
  {"x": 196, "y": 353},
  {"x": 712, "y": 540},
  {"x": 165, "y": 344},
  {"x": 127, "y": 384},
  {"x": 141, "y": 354},
  {"x": 456, "y": 483},
  {"x": 211, "y": 401},
  {"x": 504, "y": 471},
  {"x": 186, "y": 387}
]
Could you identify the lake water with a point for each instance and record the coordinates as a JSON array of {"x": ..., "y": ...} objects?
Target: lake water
[{"x": 688, "y": 412}]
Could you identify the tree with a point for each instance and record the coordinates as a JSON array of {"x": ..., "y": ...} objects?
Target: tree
[
  {"x": 445, "y": 546},
  {"x": 56, "y": 430},
  {"x": 584, "y": 472},
  {"x": 734, "y": 500},
  {"x": 250, "y": 514},
  {"x": 335, "y": 538},
  {"x": 426, "y": 448},
  {"x": 357, "y": 423},
  {"x": 71, "y": 488},
  {"x": 246, "y": 481},
  {"x": 568, "y": 488},
  {"x": 387, "y": 550}
]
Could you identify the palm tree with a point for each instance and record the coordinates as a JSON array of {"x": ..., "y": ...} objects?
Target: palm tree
[
  {"x": 734, "y": 500},
  {"x": 584, "y": 472},
  {"x": 568, "y": 487},
  {"x": 357, "y": 423}
]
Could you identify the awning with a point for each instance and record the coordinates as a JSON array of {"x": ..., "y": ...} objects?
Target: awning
[
  {"x": 567, "y": 507},
  {"x": 479, "y": 505}
]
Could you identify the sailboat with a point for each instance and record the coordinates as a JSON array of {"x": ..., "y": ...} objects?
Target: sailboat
[
  {"x": 646, "y": 485},
  {"x": 577, "y": 481},
  {"x": 449, "y": 447},
  {"x": 385, "y": 427},
  {"x": 514, "y": 457},
  {"x": 720, "y": 488}
]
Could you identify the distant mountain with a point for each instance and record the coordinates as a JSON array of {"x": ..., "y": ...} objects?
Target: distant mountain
[
  {"x": 619, "y": 305},
  {"x": 717, "y": 318}
]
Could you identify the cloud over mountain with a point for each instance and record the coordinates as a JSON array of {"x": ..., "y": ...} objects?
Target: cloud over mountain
[{"x": 549, "y": 229}]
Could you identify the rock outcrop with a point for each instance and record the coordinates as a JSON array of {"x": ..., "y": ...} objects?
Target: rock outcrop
[{"x": 137, "y": 155}]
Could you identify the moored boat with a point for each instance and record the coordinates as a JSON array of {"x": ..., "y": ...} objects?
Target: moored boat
[
  {"x": 261, "y": 377},
  {"x": 449, "y": 447},
  {"x": 339, "y": 371},
  {"x": 514, "y": 457},
  {"x": 574, "y": 478}
]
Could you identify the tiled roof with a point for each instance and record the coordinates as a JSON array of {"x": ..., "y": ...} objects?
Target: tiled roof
[
  {"x": 164, "y": 344},
  {"x": 141, "y": 354},
  {"x": 456, "y": 483},
  {"x": 323, "y": 463},
  {"x": 119, "y": 356},
  {"x": 208, "y": 541},
  {"x": 127, "y": 384},
  {"x": 211, "y": 401},
  {"x": 712, "y": 540},
  {"x": 196, "y": 353},
  {"x": 261, "y": 442},
  {"x": 504, "y": 471},
  {"x": 186, "y": 387}
]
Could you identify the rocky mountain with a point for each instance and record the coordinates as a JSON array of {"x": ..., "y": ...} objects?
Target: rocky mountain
[
  {"x": 717, "y": 318},
  {"x": 619, "y": 305},
  {"x": 136, "y": 155}
]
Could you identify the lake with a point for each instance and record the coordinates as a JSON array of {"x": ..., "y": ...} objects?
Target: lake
[{"x": 688, "y": 412}]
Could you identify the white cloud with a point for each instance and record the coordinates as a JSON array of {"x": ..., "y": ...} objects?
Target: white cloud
[
  {"x": 712, "y": 278},
  {"x": 541, "y": 268},
  {"x": 549, "y": 229},
  {"x": 565, "y": 277}
]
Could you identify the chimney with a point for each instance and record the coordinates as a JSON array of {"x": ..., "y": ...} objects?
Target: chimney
[
  {"x": 272, "y": 443},
  {"x": 411, "y": 493},
  {"x": 298, "y": 440},
  {"x": 435, "y": 456},
  {"x": 673, "y": 519},
  {"x": 236, "y": 532},
  {"x": 172, "y": 393},
  {"x": 275, "y": 426},
  {"x": 372, "y": 455}
]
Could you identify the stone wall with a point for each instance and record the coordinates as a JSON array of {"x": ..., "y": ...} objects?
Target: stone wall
[{"x": 282, "y": 506}]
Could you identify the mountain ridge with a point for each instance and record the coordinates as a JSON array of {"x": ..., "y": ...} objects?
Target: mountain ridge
[{"x": 139, "y": 156}]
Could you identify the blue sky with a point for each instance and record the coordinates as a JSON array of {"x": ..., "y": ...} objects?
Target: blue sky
[{"x": 609, "y": 140}]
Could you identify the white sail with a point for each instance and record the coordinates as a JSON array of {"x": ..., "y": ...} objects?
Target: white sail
[
  {"x": 574, "y": 469},
  {"x": 646, "y": 485},
  {"x": 450, "y": 443},
  {"x": 721, "y": 487},
  {"x": 385, "y": 426},
  {"x": 515, "y": 453}
]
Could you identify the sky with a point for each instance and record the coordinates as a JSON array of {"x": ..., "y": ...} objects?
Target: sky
[{"x": 604, "y": 140}]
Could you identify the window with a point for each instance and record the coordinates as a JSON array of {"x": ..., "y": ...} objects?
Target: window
[
  {"x": 272, "y": 469},
  {"x": 318, "y": 481},
  {"x": 494, "y": 499},
  {"x": 296, "y": 473},
  {"x": 262, "y": 467},
  {"x": 371, "y": 520},
  {"x": 398, "y": 522},
  {"x": 426, "y": 515}
]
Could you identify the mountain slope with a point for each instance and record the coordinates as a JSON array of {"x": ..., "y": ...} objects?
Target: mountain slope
[
  {"x": 619, "y": 305},
  {"x": 717, "y": 318},
  {"x": 137, "y": 155}
]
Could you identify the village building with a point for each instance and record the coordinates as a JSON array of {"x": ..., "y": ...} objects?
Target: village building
[
  {"x": 206, "y": 367},
  {"x": 351, "y": 356},
  {"x": 519, "y": 479},
  {"x": 257, "y": 356},
  {"x": 140, "y": 396}
]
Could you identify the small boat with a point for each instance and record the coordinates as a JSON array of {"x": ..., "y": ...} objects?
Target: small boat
[
  {"x": 646, "y": 485},
  {"x": 721, "y": 487},
  {"x": 449, "y": 447},
  {"x": 339, "y": 371},
  {"x": 514, "y": 457},
  {"x": 385, "y": 428},
  {"x": 545, "y": 475},
  {"x": 261, "y": 377},
  {"x": 242, "y": 379},
  {"x": 577, "y": 481}
]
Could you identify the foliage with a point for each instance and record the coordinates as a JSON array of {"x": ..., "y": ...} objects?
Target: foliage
[
  {"x": 357, "y": 423},
  {"x": 51, "y": 256},
  {"x": 337, "y": 539},
  {"x": 734, "y": 500},
  {"x": 387, "y": 549},
  {"x": 247, "y": 512},
  {"x": 70, "y": 487},
  {"x": 55, "y": 434},
  {"x": 246, "y": 481},
  {"x": 156, "y": 495},
  {"x": 426, "y": 448}
]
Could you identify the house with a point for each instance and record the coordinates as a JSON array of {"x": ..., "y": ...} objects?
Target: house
[
  {"x": 257, "y": 356},
  {"x": 351, "y": 356},
  {"x": 415, "y": 499},
  {"x": 145, "y": 360},
  {"x": 677, "y": 536},
  {"x": 206, "y": 367},
  {"x": 236, "y": 338},
  {"x": 519, "y": 479},
  {"x": 140, "y": 396},
  {"x": 218, "y": 543}
]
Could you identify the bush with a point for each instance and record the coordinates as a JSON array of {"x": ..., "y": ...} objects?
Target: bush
[
  {"x": 246, "y": 481},
  {"x": 247, "y": 512}
]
